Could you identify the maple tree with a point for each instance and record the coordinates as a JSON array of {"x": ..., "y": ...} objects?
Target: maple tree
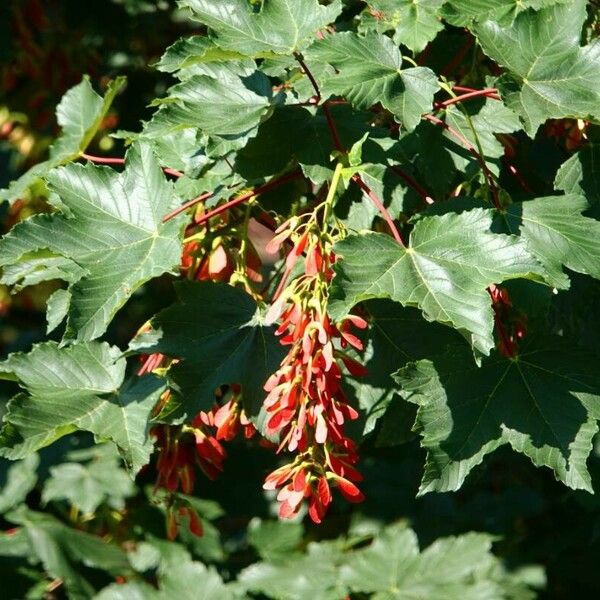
[{"x": 364, "y": 248}]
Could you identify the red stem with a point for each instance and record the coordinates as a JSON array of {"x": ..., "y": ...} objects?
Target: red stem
[
  {"x": 333, "y": 130},
  {"x": 310, "y": 76},
  {"x": 414, "y": 184},
  {"x": 104, "y": 160},
  {"x": 330, "y": 122},
  {"x": 459, "y": 136},
  {"x": 382, "y": 209},
  {"x": 509, "y": 348},
  {"x": 173, "y": 172},
  {"x": 340, "y": 148},
  {"x": 518, "y": 176},
  {"x": 109, "y": 160},
  {"x": 487, "y": 92},
  {"x": 247, "y": 196},
  {"x": 462, "y": 88},
  {"x": 187, "y": 205}
]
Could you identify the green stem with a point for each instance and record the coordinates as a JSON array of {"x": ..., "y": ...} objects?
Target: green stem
[
  {"x": 328, "y": 204},
  {"x": 489, "y": 180}
]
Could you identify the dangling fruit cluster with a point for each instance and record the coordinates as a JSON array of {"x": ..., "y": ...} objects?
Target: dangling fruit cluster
[{"x": 306, "y": 404}]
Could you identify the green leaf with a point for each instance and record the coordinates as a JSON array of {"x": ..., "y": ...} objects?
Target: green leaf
[
  {"x": 301, "y": 136},
  {"x": 35, "y": 267},
  {"x": 63, "y": 551},
  {"x": 88, "y": 486},
  {"x": 414, "y": 23},
  {"x": 192, "y": 581},
  {"x": 110, "y": 229},
  {"x": 490, "y": 118},
  {"x": 124, "y": 419},
  {"x": 580, "y": 174},
  {"x": 215, "y": 107},
  {"x": 57, "y": 309},
  {"x": 128, "y": 591},
  {"x": 396, "y": 335},
  {"x": 550, "y": 75},
  {"x": 544, "y": 403},
  {"x": 281, "y": 27},
  {"x": 370, "y": 71},
  {"x": 275, "y": 541},
  {"x": 558, "y": 235},
  {"x": 453, "y": 568},
  {"x": 200, "y": 55},
  {"x": 226, "y": 342},
  {"x": 178, "y": 577},
  {"x": 445, "y": 271},
  {"x": 463, "y": 12},
  {"x": 193, "y": 50},
  {"x": 20, "y": 480},
  {"x": 79, "y": 114},
  {"x": 429, "y": 145},
  {"x": 14, "y": 543},
  {"x": 77, "y": 387},
  {"x": 313, "y": 575}
]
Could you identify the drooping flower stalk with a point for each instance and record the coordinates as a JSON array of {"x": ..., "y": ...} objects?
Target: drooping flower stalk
[{"x": 306, "y": 405}]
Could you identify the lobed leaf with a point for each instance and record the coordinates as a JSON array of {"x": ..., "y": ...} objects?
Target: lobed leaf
[
  {"x": 88, "y": 486},
  {"x": 369, "y": 71},
  {"x": 213, "y": 106},
  {"x": 549, "y": 74},
  {"x": 463, "y": 12},
  {"x": 544, "y": 403},
  {"x": 281, "y": 27},
  {"x": 79, "y": 114},
  {"x": 77, "y": 387},
  {"x": 558, "y": 235},
  {"x": 453, "y": 568},
  {"x": 414, "y": 24},
  {"x": 226, "y": 342},
  {"x": 64, "y": 551},
  {"x": 445, "y": 271},
  {"x": 107, "y": 240},
  {"x": 580, "y": 174}
]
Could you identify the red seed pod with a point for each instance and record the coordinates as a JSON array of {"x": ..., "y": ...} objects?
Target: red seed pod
[{"x": 305, "y": 401}]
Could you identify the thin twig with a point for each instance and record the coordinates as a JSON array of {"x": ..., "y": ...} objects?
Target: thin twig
[
  {"x": 248, "y": 196},
  {"x": 480, "y": 159},
  {"x": 463, "y": 88},
  {"x": 104, "y": 160},
  {"x": 507, "y": 343},
  {"x": 337, "y": 142},
  {"x": 187, "y": 205},
  {"x": 330, "y": 122},
  {"x": 310, "y": 76},
  {"x": 487, "y": 92},
  {"x": 173, "y": 172},
  {"x": 110, "y": 160},
  {"x": 513, "y": 170},
  {"x": 382, "y": 209},
  {"x": 413, "y": 183},
  {"x": 459, "y": 56},
  {"x": 340, "y": 148}
]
